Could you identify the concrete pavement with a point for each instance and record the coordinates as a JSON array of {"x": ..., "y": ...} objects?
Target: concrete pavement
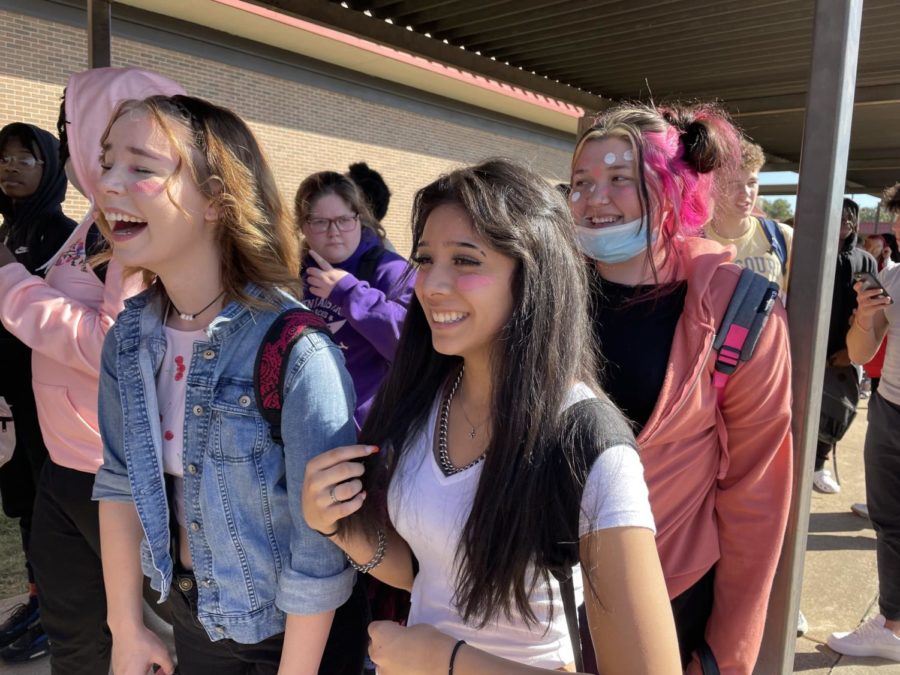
[
  {"x": 840, "y": 584},
  {"x": 840, "y": 587}
]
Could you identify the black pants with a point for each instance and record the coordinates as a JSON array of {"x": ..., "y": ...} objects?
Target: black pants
[
  {"x": 882, "y": 463},
  {"x": 198, "y": 655},
  {"x": 822, "y": 452},
  {"x": 692, "y": 610},
  {"x": 65, "y": 554},
  {"x": 19, "y": 477}
]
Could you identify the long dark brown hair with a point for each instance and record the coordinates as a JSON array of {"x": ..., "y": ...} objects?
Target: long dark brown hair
[{"x": 545, "y": 347}]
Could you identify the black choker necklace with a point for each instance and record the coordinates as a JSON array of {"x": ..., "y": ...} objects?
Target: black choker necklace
[{"x": 191, "y": 317}]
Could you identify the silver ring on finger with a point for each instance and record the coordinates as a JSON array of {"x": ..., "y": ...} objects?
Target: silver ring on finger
[{"x": 334, "y": 499}]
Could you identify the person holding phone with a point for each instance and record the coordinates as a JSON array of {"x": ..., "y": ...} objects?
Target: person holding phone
[
  {"x": 841, "y": 383},
  {"x": 876, "y": 318},
  {"x": 870, "y": 282}
]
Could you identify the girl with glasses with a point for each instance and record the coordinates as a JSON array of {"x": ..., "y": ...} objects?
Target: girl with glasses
[{"x": 351, "y": 279}]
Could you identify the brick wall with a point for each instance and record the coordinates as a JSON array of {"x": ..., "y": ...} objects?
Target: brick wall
[{"x": 303, "y": 128}]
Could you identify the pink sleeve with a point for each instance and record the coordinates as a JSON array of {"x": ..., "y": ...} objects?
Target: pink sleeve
[
  {"x": 752, "y": 499},
  {"x": 54, "y": 324}
]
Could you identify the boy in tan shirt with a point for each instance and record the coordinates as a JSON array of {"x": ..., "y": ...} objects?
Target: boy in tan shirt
[{"x": 733, "y": 223}]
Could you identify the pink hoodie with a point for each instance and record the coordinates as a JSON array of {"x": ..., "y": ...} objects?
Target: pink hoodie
[
  {"x": 64, "y": 318},
  {"x": 720, "y": 475}
]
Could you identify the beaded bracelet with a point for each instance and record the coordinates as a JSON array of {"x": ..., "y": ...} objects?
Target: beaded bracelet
[
  {"x": 376, "y": 559},
  {"x": 456, "y": 647}
]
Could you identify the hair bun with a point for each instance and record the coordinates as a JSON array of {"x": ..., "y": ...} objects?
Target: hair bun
[{"x": 701, "y": 148}]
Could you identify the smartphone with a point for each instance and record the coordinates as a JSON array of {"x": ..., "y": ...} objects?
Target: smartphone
[{"x": 870, "y": 281}]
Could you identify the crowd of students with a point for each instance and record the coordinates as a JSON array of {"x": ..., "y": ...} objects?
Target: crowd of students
[{"x": 527, "y": 426}]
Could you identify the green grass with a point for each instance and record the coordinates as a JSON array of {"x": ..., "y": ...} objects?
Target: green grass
[{"x": 13, "y": 580}]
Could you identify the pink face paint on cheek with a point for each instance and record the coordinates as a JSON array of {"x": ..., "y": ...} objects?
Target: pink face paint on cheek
[
  {"x": 472, "y": 282},
  {"x": 148, "y": 187}
]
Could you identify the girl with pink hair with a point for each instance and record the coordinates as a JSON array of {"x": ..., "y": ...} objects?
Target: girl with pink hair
[{"x": 719, "y": 472}]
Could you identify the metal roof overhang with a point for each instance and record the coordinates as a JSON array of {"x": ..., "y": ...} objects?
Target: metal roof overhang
[{"x": 754, "y": 57}]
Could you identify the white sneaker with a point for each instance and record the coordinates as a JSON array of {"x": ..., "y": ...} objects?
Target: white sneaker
[
  {"x": 870, "y": 639},
  {"x": 823, "y": 481},
  {"x": 802, "y": 624}
]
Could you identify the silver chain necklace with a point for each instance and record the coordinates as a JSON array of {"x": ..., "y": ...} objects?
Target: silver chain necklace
[{"x": 447, "y": 466}]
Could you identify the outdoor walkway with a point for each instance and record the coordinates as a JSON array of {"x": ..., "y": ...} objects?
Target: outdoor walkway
[{"x": 839, "y": 588}]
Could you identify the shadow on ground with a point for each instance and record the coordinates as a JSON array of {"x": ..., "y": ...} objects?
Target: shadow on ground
[
  {"x": 821, "y": 658},
  {"x": 822, "y": 524}
]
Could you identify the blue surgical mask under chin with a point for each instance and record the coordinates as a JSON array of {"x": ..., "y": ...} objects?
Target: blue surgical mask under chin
[{"x": 614, "y": 244}]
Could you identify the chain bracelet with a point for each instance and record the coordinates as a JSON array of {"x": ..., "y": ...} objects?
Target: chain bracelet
[{"x": 376, "y": 559}]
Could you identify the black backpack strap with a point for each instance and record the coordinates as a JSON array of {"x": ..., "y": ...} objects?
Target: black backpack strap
[
  {"x": 748, "y": 311},
  {"x": 94, "y": 243},
  {"x": 776, "y": 240},
  {"x": 567, "y": 590},
  {"x": 708, "y": 663},
  {"x": 368, "y": 263},
  {"x": 272, "y": 358},
  {"x": 592, "y": 425}
]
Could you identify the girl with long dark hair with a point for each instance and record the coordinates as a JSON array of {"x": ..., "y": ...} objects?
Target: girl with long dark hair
[
  {"x": 502, "y": 464},
  {"x": 717, "y": 461}
]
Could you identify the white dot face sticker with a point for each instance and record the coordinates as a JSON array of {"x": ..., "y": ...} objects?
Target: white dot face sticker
[
  {"x": 575, "y": 197},
  {"x": 610, "y": 158},
  {"x": 593, "y": 187},
  {"x": 628, "y": 155}
]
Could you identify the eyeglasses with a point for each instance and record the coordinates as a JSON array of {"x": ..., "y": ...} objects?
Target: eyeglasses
[
  {"x": 342, "y": 223},
  {"x": 25, "y": 161}
]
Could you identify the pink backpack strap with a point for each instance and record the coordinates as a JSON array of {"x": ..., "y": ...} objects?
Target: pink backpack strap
[{"x": 748, "y": 310}]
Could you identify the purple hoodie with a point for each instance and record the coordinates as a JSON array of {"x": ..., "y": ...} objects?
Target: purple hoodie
[{"x": 365, "y": 317}]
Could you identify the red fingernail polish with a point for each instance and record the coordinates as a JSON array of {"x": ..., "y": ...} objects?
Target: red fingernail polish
[{"x": 375, "y": 449}]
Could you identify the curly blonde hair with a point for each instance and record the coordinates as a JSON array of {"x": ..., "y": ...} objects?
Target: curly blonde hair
[
  {"x": 752, "y": 156},
  {"x": 254, "y": 230},
  {"x": 891, "y": 199}
]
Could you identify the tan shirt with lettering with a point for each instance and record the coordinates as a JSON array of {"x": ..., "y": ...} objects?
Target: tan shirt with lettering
[{"x": 755, "y": 252}]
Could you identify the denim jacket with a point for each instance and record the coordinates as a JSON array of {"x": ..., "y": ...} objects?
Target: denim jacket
[{"x": 254, "y": 557}]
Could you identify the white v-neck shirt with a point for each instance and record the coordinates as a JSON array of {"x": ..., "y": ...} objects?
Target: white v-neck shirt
[{"x": 429, "y": 510}]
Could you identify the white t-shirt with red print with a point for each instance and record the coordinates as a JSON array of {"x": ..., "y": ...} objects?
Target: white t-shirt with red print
[{"x": 171, "y": 393}]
